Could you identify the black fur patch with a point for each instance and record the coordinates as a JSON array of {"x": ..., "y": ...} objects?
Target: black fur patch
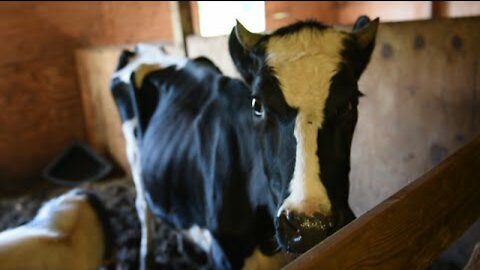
[
  {"x": 201, "y": 163},
  {"x": 296, "y": 27}
]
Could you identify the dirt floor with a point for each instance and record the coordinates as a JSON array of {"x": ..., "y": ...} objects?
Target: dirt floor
[{"x": 172, "y": 250}]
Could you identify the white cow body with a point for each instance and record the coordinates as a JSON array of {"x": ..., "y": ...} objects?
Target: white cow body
[{"x": 65, "y": 234}]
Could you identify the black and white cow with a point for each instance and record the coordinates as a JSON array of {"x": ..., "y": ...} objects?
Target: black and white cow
[
  {"x": 303, "y": 79},
  {"x": 207, "y": 177},
  {"x": 256, "y": 169}
]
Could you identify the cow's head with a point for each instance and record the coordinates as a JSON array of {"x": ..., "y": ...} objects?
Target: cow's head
[{"x": 303, "y": 79}]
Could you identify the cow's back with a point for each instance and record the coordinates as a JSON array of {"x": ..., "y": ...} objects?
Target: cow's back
[{"x": 198, "y": 158}]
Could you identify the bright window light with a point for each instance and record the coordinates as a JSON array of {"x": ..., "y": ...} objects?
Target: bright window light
[{"x": 218, "y": 17}]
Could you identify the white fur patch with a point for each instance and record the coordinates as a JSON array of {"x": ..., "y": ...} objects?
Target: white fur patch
[
  {"x": 128, "y": 128},
  {"x": 65, "y": 234},
  {"x": 260, "y": 261},
  {"x": 305, "y": 63},
  {"x": 202, "y": 237},
  {"x": 144, "y": 213},
  {"x": 148, "y": 55}
]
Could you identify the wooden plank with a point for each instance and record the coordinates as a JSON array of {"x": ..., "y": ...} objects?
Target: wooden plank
[
  {"x": 439, "y": 9},
  {"x": 216, "y": 49},
  {"x": 182, "y": 22},
  {"x": 410, "y": 228},
  {"x": 103, "y": 127},
  {"x": 421, "y": 104},
  {"x": 195, "y": 17}
]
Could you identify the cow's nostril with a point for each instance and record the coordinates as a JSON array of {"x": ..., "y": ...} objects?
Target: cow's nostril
[
  {"x": 299, "y": 232},
  {"x": 289, "y": 230},
  {"x": 286, "y": 223},
  {"x": 294, "y": 220}
]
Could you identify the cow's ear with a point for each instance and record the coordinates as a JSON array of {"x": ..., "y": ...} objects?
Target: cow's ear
[
  {"x": 240, "y": 45},
  {"x": 364, "y": 33},
  {"x": 124, "y": 59},
  {"x": 247, "y": 39}
]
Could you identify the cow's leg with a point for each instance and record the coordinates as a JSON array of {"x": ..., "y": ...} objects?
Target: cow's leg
[
  {"x": 123, "y": 90},
  {"x": 124, "y": 97},
  {"x": 146, "y": 223},
  {"x": 143, "y": 211}
]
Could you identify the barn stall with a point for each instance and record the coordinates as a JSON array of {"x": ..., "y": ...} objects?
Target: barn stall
[{"x": 419, "y": 117}]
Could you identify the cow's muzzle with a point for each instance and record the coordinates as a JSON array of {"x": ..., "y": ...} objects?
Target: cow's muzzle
[{"x": 298, "y": 232}]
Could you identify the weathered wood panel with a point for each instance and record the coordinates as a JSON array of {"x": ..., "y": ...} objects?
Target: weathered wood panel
[
  {"x": 216, "y": 49},
  {"x": 183, "y": 24},
  {"x": 410, "y": 228},
  {"x": 40, "y": 99},
  {"x": 103, "y": 127},
  {"x": 421, "y": 104}
]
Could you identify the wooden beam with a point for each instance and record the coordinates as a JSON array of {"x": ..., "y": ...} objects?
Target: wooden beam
[
  {"x": 439, "y": 9},
  {"x": 409, "y": 229},
  {"x": 182, "y": 23}
]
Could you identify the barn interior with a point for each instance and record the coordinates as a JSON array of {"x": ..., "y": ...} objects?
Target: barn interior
[{"x": 415, "y": 152}]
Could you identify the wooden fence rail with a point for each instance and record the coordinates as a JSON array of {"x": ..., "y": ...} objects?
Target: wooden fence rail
[{"x": 409, "y": 229}]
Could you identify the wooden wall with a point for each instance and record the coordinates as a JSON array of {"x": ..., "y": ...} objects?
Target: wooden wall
[
  {"x": 40, "y": 102},
  {"x": 421, "y": 104},
  {"x": 343, "y": 12},
  {"x": 346, "y": 12}
]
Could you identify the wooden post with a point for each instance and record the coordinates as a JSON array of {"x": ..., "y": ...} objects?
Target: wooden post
[
  {"x": 409, "y": 229},
  {"x": 439, "y": 9},
  {"x": 182, "y": 23}
]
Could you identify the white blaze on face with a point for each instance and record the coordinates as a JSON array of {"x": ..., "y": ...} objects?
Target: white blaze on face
[
  {"x": 304, "y": 63},
  {"x": 151, "y": 56}
]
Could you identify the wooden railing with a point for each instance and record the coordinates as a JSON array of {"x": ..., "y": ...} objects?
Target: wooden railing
[{"x": 409, "y": 229}]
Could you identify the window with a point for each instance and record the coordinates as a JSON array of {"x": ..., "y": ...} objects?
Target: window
[{"x": 218, "y": 17}]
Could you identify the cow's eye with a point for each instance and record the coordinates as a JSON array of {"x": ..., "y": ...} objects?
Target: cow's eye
[
  {"x": 257, "y": 107},
  {"x": 343, "y": 111},
  {"x": 349, "y": 107}
]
